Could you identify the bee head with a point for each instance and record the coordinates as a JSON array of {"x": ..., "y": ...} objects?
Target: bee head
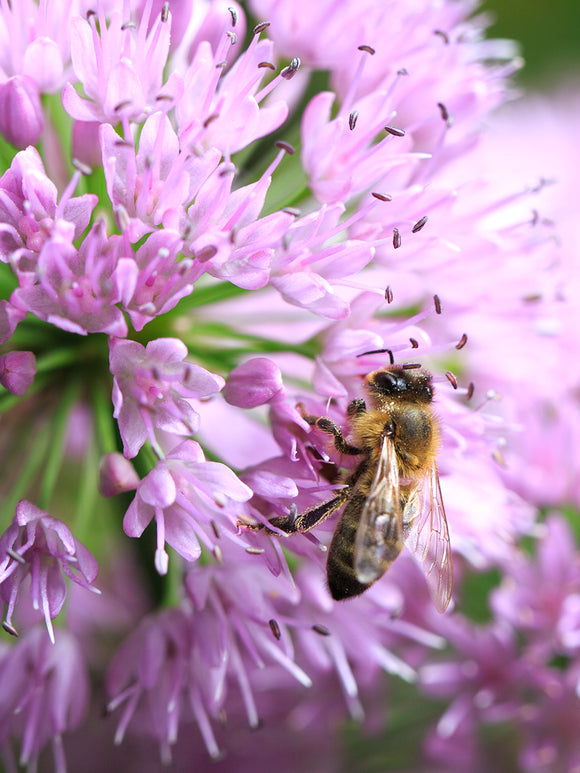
[{"x": 398, "y": 382}]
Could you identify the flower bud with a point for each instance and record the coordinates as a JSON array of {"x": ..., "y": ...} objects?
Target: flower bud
[
  {"x": 17, "y": 371},
  {"x": 21, "y": 118},
  {"x": 116, "y": 474},
  {"x": 253, "y": 383}
]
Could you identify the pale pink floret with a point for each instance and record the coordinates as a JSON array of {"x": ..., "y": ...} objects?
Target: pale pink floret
[
  {"x": 45, "y": 693},
  {"x": 42, "y": 548},
  {"x": 191, "y": 500},
  {"x": 150, "y": 388},
  {"x": 119, "y": 67},
  {"x": 17, "y": 371}
]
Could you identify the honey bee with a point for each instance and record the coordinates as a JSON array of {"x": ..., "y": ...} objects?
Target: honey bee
[{"x": 392, "y": 497}]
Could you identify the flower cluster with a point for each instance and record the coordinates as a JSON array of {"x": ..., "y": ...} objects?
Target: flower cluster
[{"x": 201, "y": 248}]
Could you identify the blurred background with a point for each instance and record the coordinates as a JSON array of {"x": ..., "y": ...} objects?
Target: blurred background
[{"x": 549, "y": 34}]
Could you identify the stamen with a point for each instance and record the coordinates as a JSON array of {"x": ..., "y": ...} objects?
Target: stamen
[
  {"x": 255, "y": 551},
  {"x": 470, "y": 390},
  {"x": 414, "y": 343},
  {"x": 411, "y": 365},
  {"x": 289, "y": 72},
  {"x": 368, "y": 49},
  {"x": 437, "y": 302},
  {"x": 352, "y": 119},
  {"x": 267, "y": 65},
  {"x": 275, "y": 628},
  {"x": 261, "y": 27},
  {"x": 382, "y": 196},
  {"x": 419, "y": 224},
  {"x": 451, "y": 378},
  {"x": 396, "y": 238},
  {"x": 285, "y": 146},
  {"x": 443, "y": 35},
  {"x": 462, "y": 342},
  {"x": 234, "y": 15},
  {"x": 165, "y": 12},
  {"x": 394, "y": 131},
  {"x": 321, "y": 629},
  {"x": 389, "y": 294}
]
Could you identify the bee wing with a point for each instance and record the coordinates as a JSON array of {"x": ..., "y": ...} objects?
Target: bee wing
[
  {"x": 427, "y": 538},
  {"x": 379, "y": 535}
]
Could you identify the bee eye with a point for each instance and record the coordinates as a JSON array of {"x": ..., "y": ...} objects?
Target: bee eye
[{"x": 388, "y": 382}]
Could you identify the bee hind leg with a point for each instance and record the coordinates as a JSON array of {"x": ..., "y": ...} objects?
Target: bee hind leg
[{"x": 291, "y": 523}]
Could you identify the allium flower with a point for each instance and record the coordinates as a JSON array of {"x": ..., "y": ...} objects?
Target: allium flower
[
  {"x": 38, "y": 546},
  {"x": 45, "y": 692},
  {"x": 231, "y": 250}
]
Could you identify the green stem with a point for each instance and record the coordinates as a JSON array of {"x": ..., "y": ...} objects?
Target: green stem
[
  {"x": 60, "y": 425},
  {"x": 29, "y": 471}
]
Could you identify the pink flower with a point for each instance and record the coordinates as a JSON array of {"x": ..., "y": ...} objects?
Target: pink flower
[
  {"x": 191, "y": 501},
  {"x": 41, "y": 548},
  {"x": 45, "y": 693},
  {"x": 17, "y": 371},
  {"x": 151, "y": 385},
  {"x": 21, "y": 117}
]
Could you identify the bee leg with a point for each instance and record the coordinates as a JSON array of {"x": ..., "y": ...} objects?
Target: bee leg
[
  {"x": 356, "y": 407},
  {"x": 291, "y": 523},
  {"x": 327, "y": 425}
]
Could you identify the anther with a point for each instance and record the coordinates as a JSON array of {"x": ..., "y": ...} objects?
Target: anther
[
  {"x": 352, "y": 119},
  {"x": 414, "y": 343},
  {"x": 443, "y": 35},
  {"x": 321, "y": 629},
  {"x": 419, "y": 224},
  {"x": 9, "y": 628},
  {"x": 255, "y": 551},
  {"x": 267, "y": 65},
  {"x": 394, "y": 131},
  {"x": 285, "y": 146},
  {"x": 165, "y": 12},
  {"x": 437, "y": 302},
  {"x": 261, "y": 27},
  {"x": 368, "y": 49},
  {"x": 232, "y": 36},
  {"x": 290, "y": 71},
  {"x": 451, "y": 378},
  {"x": 382, "y": 196},
  {"x": 443, "y": 111},
  {"x": 82, "y": 168},
  {"x": 389, "y": 294},
  {"x": 396, "y": 238},
  {"x": 15, "y": 556},
  {"x": 411, "y": 365},
  {"x": 470, "y": 390},
  {"x": 210, "y": 119},
  {"x": 275, "y": 628},
  {"x": 462, "y": 341},
  {"x": 234, "y": 15}
]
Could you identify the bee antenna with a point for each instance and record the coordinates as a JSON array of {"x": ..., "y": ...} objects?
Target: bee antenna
[{"x": 380, "y": 351}]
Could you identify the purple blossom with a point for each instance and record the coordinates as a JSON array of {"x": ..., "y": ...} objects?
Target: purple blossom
[
  {"x": 17, "y": 371},
  {"x": 190, "y": 499},
  {"x": 208, "y": 254},
  {"x": 45, "y": 693},
  {"x": 21, "y": 116},
  {"x": 39, "y": 547},
  {"x": 151, "y": 385}
]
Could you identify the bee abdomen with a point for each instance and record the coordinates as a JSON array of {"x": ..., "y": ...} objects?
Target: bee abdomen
[{"x": 342, "y": 581}]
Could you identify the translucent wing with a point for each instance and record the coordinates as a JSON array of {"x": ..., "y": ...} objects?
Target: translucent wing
[
  {"x": 427, "y": 537},
  {"x": 379, "y": 535}
]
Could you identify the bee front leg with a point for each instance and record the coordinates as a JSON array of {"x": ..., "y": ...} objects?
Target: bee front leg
[{"x": 327, "y": 425}]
